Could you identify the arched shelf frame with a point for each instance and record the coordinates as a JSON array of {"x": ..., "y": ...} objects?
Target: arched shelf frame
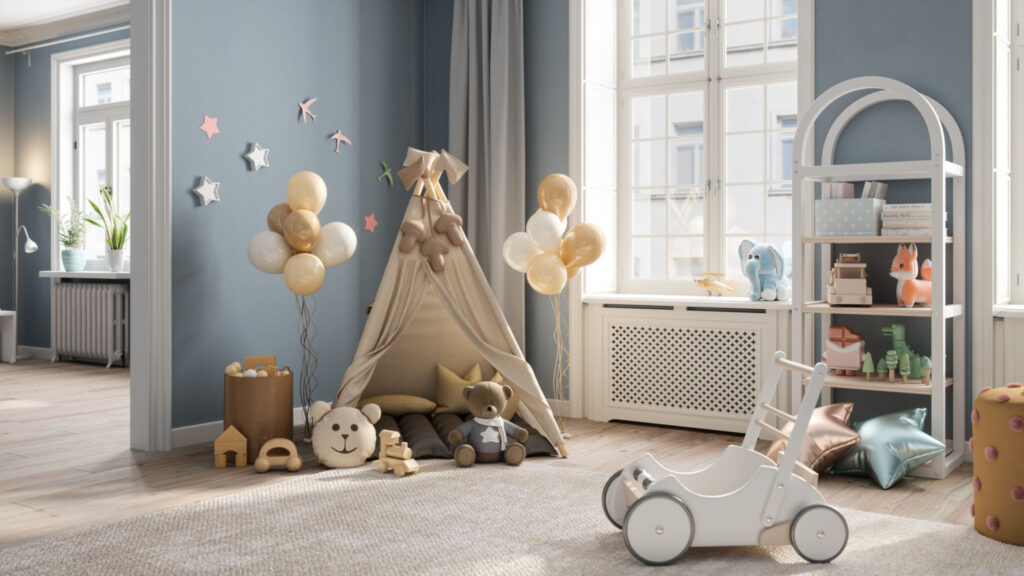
[{"x": 937, "y": 169}]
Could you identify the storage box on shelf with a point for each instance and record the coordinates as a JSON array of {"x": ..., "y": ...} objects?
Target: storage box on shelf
[{"x": 811, "y": 310}]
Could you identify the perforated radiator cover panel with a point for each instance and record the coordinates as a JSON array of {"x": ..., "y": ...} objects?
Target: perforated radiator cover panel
[{"x": 690, "y": 369}]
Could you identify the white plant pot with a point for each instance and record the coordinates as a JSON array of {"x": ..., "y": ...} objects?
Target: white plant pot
[{"x": 115, "y": 259}]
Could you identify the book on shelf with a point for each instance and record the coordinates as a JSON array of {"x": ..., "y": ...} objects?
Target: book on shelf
[
  {"x": 906, "y": 231},
  {"x": 874, "y": 190},
  {"x": 912, "y": 207},
  {"x": 897, "y": 216}
]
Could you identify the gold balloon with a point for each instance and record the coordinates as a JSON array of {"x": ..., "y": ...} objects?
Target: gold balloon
[
  {"x": 302, "y": 230},
  {"x": 303, "y": 274},
  {"x": 557, "y": 194},
  {"x": 582, "y": 245},
  {"x": 306, "y": 191},
  {"x": 276, "y": 216},
  {"x": 546, "y": 274}
]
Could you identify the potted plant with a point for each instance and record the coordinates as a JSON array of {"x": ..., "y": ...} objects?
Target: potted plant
[
  {"x": 71, "y": 233},
  {"x": 114, "y": 226}
]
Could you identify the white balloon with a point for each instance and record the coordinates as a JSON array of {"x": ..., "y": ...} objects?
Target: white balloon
[
  {"x": 337, "y": 243},
  {"x": 519, "y": 250},
  {"x": 545, "y": 229},
  {"x": 268, "y": 251}
]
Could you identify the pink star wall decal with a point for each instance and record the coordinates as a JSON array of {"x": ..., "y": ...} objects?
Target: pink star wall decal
[
  {"x": 209, "y": 126},
  {"x": 371, "y": 223}
]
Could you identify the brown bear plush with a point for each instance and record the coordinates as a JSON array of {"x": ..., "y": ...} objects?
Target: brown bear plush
[{"x": 488, "y": 436}]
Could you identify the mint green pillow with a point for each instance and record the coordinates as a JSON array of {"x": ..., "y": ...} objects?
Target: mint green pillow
[{"x": 890, "y": 447}]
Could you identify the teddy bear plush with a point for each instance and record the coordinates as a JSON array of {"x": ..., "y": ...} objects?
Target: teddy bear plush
[
  {"x": 343, "y": 437},
  {"x": 488, "y": 437}
]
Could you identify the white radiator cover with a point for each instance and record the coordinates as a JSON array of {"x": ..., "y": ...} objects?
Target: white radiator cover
[
  {"x": 691, "y": 366},
  {"x": 91, "y": 321}
]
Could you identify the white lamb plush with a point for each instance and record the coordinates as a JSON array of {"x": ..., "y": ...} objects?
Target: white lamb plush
[{"x": 344, "y": 437}]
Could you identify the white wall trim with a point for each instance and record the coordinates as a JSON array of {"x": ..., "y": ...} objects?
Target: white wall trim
[
  {"x": 575, "y": 408},
  {"x": 209, "y": 431},
  {"x": 982, "y": 190},
  {"x": 151, "y": 227},
  {"x": 65, "y": 26},
  {"x": 25, "y": 352}
]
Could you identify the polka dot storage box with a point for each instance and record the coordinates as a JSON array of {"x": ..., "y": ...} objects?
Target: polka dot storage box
[{"x": 998, "y": 447}]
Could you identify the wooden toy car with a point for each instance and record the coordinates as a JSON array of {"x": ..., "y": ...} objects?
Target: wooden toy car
[
  {"x": 848, "y": 282},
  {"x": 291, "y": 460},
  {"x": 395, "y": 456}
]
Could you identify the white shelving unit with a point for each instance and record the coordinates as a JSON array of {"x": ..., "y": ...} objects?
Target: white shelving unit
[{"x": 810, "y": 311}]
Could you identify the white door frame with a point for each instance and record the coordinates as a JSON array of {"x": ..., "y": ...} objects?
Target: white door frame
[{"x": 151, "y": 225}]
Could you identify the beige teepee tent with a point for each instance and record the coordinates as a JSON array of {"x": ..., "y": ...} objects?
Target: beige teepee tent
[{"x": 423, "y": 315}]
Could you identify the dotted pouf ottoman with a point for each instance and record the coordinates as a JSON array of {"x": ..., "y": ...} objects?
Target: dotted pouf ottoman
[{"x": 998, "y": 447}]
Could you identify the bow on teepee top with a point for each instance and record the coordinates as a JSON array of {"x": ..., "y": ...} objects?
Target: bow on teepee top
[{"x": 424, "y": 169}]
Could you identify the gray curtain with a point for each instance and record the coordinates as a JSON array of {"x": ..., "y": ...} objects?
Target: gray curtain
[{"x": 487, "y": 130}]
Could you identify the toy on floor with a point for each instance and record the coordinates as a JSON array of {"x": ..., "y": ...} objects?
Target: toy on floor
[
  {"x": 764, "y": 268},
  {"x": 395, "y": 456},
  {"x": 910, "y": 290},
  {"x": 743, "y": 499},
  {"x": 848, "y": 282},
  {"x": 343, "y": 437},
  {"x": 291, "y": 460},
  {"x": 712, "y": 282},
  {"x": 230, "y": 441},
  {"x": 488, "y": 436},
  {"x": 844, "y": 351}
]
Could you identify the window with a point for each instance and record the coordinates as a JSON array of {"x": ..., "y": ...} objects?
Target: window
[
  {"x": 1009, "y": 154},
  {"x": 100, "y": 134},
  {"x": 707, "y": 98}
]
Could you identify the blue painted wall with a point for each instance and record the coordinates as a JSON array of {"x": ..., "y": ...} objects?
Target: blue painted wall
[
  {"x": 31, "y": 88},
  {"x": 250, "y": 67},
  {"x": 437, "y": 55},
  {"x": 926, "y": 44},
  {"x": 6, "y": 169}
]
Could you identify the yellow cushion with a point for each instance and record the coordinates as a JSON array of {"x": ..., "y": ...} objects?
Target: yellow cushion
[
  {"x": 449, "y": 389},
  {"x": 399, "y": 404},
  {"x": 513, "y": 402}
]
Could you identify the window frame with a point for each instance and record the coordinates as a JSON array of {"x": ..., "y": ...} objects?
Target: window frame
[
  {"x": 714, "y": 80},
  {"x": 1009, "y": 262}
]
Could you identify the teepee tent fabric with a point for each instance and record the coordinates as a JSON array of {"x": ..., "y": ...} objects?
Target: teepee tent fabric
[{"x": 408, "y": 285}]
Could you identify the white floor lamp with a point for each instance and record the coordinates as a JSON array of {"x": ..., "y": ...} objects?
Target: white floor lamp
[{"x": 16, "y": 185}]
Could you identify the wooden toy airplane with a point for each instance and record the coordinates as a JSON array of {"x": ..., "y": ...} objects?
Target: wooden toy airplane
[{"x": 707, "y": 282}]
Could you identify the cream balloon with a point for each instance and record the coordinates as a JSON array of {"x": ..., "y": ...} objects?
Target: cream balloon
[
  {"x": 301, "y": 230},
  {"x": 304, "y": 274},
  {"x": 276, "y": 216},
  {"x": 268, "y": 251},
  {"x": 557, "y": 194},
  {"x": 547, "y": 274},
  {"x": 306, "y": 191},
  {"x": 336, "y": 245},
  {"x": 545, "y": 229},
  {"x": 519, "y": 250}
]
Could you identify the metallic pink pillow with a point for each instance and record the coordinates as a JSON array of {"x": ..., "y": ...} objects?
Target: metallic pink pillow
[{"x": 828, "y": 438}]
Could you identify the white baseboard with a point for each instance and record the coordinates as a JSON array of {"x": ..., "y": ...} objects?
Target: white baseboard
[
  {"x": 209, "y": 431},
  {"x": 968, "y": 455},
  {"x": 26, "y": 352}
]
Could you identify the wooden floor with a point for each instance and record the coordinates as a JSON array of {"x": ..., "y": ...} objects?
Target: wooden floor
[{"x": 65, "y": 461}]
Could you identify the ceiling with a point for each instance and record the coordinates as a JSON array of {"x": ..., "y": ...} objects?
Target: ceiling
[{"x": 16, "y": 14}]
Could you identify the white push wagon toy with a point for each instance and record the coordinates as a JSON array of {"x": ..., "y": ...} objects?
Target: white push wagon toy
[{"x": 743, "y": 499}]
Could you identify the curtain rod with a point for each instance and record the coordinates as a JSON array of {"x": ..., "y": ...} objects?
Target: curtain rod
[{"x": 66, "y": 40}]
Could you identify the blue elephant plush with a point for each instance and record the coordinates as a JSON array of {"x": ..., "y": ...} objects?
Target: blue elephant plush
[{"x": 763, "y": 266}]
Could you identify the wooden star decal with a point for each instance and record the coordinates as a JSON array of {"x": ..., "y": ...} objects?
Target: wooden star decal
[
  {"x": 257, "y": 156},
  {"x": 371, "y": 223},
  {"x": 386, "y": 174},
  {"x": 207, "y": 191},
  {"x": 304, "y": 110},
  {"x": 209, "y": 126},
  {"x": 338, "y": 138}
]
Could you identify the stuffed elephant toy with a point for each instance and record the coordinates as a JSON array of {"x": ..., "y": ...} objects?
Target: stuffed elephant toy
[{"x": 763, "y": 266}]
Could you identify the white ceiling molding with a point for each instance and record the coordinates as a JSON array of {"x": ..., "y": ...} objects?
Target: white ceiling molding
[{"x": 50, "y": 30}]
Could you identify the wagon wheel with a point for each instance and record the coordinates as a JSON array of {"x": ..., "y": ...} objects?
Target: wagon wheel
[
  {"x": 658, "y": 529},
  {"x": 613, "y": 500},
  {"x": 819, "y": 533}
]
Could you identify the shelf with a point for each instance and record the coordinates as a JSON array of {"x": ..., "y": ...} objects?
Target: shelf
[
  {"x": 876, "y": 385},
  {"x": 913, "y": 170},
  {"x": 923, "y": 239},
  {"x": 818, "y": 307}
]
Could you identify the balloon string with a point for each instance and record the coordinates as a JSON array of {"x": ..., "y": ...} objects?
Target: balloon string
[
  {"x": 308, "y": 381},
  {"x": 561, "y": 367}
]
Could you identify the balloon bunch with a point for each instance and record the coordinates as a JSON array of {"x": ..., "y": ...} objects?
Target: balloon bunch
[
  {"x": 296, "y": 245},
  {"x": 548, "y": 259}
]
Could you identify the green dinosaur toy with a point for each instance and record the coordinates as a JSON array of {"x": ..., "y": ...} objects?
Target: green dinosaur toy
[{"x": 898, "y": 332}]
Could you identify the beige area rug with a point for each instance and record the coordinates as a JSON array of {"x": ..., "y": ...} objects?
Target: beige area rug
[{"x": 535, "y": 519}]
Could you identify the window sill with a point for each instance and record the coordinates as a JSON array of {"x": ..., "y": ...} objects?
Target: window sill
[
  {"x": 86, "y": 275},
  {"x": 1012, "y": 311},
  {"x": 680, "y": 300}
]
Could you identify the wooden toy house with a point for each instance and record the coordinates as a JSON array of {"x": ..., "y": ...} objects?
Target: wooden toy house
[
  {"x": 848, "y": 282},
  {"x": 230, "y": 441}
]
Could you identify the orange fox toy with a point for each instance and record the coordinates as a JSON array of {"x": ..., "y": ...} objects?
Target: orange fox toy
[{"x": 910, "y": 290}]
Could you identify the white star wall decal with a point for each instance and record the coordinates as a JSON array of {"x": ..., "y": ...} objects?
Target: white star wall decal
[
  {"x": 207, "y": 191},
  {"x": 257, "y": 156}
]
